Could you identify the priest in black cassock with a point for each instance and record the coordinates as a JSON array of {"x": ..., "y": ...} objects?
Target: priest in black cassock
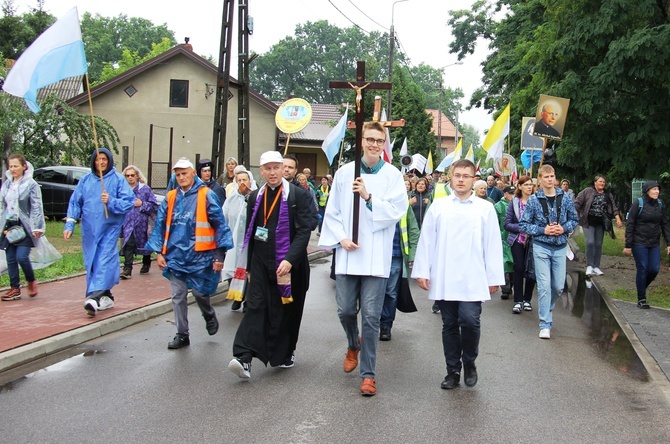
[{"x": 280, "y": 221}]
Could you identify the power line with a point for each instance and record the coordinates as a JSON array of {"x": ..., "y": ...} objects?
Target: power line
[
  {"x": 371, "y": 19},
  {"x": 345, "y": 16}
]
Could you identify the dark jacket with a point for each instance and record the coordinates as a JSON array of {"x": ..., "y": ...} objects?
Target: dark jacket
[
  {"x": 512, "y": 221},
  {"x": 583, "y": 203},
  {"x": 646, "y": 227},
  {"x": 419, "y": 207}
]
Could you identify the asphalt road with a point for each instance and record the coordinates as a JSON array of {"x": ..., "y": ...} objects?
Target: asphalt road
[{"x": 128, "y": 388}]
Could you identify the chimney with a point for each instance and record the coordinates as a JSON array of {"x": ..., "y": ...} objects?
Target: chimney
[{"x": 187, "y": 45}]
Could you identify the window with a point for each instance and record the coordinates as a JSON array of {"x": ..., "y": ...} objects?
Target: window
[
  {"x": 77, "y": 175},
  {"x": 53, "y": 176},
  {"x": 130, "y": 91},
  {"x": 179, "y": 93}
]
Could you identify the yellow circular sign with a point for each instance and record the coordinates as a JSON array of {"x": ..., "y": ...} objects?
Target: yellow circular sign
[{"x": 293, "y": 115}]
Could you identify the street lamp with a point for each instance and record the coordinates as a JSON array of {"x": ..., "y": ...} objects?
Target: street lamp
[
  {"x": 439, "y": 111},
  {"x": 391, "y": 42}
]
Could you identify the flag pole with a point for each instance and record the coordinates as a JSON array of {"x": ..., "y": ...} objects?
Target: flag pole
[
  {"x": 288, "y": 138},
  {"x": 95, "y": 138},
  {"x": 339, "y": 162}
]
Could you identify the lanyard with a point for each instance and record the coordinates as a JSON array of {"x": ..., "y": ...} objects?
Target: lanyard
[{"x": 266, "y": 215}]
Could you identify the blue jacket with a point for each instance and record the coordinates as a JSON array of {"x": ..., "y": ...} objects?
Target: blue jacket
[
  {"x": 99, "y": 235},
  {"x": 194, "y": 268},
  {"x": 533, "y": 221}
]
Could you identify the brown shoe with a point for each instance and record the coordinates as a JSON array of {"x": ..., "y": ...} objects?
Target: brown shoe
[
  {"x": 13, "y": 294},
  {"x": 368, "y": 387},
  {"x": 351, "y": 360},
  {"x": 32, "y": 289}
]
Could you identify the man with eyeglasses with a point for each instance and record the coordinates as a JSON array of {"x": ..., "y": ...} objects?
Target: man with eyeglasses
[
  {"x": 548, "y": 118},
  {"x": 362, "y": 269},
  {"x": 459, "y": 262}
]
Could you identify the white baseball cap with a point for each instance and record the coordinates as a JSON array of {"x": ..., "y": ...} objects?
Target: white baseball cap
[
  {"x": 183, "y": 162},
  {"x": 271, "y": 156}
]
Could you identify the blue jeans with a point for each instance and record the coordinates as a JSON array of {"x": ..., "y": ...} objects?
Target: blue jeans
[
  {"x": 461, "y": 329},
  {"x": 19, "y": 255},
  {"x": 369, "y": 291},
  {"x": 550, "y": 274},
  {"x": 594, "y": 244},
  {"x": 391, "y": 298},
  {"x": 647, "y": 264}
]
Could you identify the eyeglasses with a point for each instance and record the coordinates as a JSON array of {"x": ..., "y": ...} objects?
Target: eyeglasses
[
  {"x": 373, "y": 141},
  {"x": 130, "y": 175},
  {"x": 463, "y": 176}
]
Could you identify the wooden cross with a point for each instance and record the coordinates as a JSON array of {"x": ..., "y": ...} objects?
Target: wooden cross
[{"x": 359, "y": 86}]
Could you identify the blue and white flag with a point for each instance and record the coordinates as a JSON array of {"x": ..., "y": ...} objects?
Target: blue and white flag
[
  {"x": 58, "y": 53},
  {"x": 331, "y": 145}
]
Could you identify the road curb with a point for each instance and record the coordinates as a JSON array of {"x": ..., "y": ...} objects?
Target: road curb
[
  {"x": 39, "y": 349},
  {"x": 656, "y": 374}
]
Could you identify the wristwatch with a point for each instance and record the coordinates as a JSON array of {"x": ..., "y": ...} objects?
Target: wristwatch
[{"x": 369, "y": 198}]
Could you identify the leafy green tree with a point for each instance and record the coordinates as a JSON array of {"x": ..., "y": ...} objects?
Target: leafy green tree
[
  {"x": 106, "y": 38},
  {"x": 608, "y": 56},
  {"x": 130, "y": 59},
  {"x": 18, "y": 32},
  {"x": 303, "y": 64}
]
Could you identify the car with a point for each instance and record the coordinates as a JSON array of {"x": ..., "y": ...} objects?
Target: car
[{"x": 57, "y": 184}]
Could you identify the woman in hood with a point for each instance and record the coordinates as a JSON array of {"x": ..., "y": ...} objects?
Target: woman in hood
[
  {"x": 646, "y": 221},
  {"x": 102, "y": 205},
  {"x": 20, "y": 210}
]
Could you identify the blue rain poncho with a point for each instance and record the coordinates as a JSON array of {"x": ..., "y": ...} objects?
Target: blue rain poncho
[
  {"x": 187, "y": 265},
  {"x": 99, "y": 235}
]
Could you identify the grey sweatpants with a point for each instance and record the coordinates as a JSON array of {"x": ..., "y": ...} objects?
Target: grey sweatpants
[{"x": 180, "y": 304}]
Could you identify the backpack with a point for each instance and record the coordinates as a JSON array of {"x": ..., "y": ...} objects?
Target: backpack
[
  {"x": 640, "y": 203},
  {"x": 545, "y": 207}
]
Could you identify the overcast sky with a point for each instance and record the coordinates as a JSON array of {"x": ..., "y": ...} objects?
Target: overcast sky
[{"x": 420, "y": 25}]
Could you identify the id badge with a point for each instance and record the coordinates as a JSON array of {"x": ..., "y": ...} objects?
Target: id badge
[{"x": 261, "y": 234}]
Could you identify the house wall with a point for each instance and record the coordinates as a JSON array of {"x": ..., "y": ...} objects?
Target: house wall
[{"x": 193, "y": 126}]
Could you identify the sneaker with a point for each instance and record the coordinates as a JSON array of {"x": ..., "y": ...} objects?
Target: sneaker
[
  {"x": 236, "y": 305},
  {"x": 126, "y": 274},
  {"x": 241, "y": 369},
  {"x": 470, "y": 374},
  {"x": 451, "y": 381},
  {"x": 597, "y": 271},
  {"x": 527, "y": 306},
  {"x": 290, "y": 362},
  {"x": 179, "y": 341},
  {"x": 516, "y": 309},
  {"x": 105, "y": 303},
  {"x": 385, "y": 335},
  {"x": 642, "y": 303},
  {"x": 212, "y": 325},
  {"x": 350, "y": 360},
  {"x": 589, "y": 271},
  {"x": 368, "y": 387},
  {"x": 32, "y": 289},
  {"x": 545, "y": 333},
  {"x": 91, "y": 306},
  {"x": 436, "y": 308},
  {"x": 145, "y": 268},
  {"x": 12, "y": 294}
]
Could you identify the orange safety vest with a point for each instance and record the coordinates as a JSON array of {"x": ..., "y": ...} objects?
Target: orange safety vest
[{"x": 204, "y": 233}]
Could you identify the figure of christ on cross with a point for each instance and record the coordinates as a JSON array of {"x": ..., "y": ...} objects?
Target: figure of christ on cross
[{"x": 358, "y": 87}]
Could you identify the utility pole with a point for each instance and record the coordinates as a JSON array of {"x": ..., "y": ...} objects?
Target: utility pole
[
  {"x": 244, "y": 29},
  {"x": 391, "y": 45},
  {"x": 222, "y": 89}
]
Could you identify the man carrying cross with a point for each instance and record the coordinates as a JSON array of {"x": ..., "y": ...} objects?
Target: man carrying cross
[{"x": 362, "y": 268}]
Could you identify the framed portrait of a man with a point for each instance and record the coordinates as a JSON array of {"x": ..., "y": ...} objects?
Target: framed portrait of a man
[{"x": 551, "y": 116}]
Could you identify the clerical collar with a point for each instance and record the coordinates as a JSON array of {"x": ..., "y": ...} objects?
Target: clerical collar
[{"x": 374, "y": 169}]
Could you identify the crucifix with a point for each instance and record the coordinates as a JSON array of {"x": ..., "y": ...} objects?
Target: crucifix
[{"x": 359, "y": 86}]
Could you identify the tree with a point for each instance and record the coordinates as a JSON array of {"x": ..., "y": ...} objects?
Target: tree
[
  {"x": 106, "y": 38},
  {"x": 130, "y": 59},
  {"x": 609, "y": 57},
  {"x": 18, "y": 32},
  {"x": 303, "y": 64}
]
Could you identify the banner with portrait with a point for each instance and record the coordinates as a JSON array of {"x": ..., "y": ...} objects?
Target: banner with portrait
[{"x": 551, "y": 116}]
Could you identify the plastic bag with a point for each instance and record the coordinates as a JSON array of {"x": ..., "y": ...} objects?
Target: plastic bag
[{"x": 43, "y": 254}]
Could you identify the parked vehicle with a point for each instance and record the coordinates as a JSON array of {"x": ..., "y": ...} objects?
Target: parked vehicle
[{"x": 57, "y": 184}]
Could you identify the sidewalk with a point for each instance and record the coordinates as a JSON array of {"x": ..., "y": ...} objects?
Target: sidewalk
[{"x": 55, "y": 319}]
